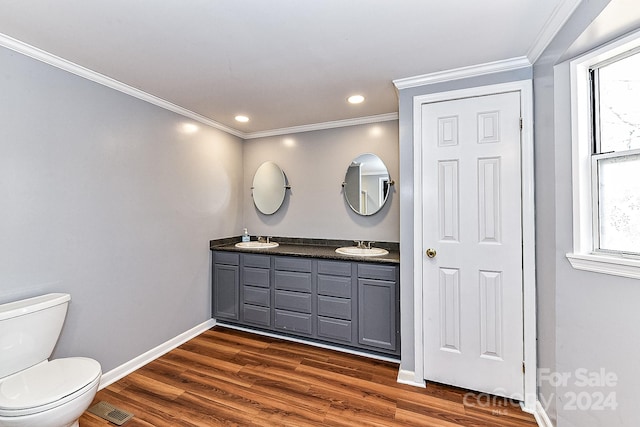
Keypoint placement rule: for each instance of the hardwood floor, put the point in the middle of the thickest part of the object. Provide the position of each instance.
(228, 377)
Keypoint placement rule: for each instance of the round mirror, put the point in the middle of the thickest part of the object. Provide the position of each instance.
(269, 186)
(366, 184)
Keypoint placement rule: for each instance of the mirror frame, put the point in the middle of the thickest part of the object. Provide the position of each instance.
(269, 188)
(348, 189)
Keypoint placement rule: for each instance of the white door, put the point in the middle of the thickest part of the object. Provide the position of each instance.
(473, 314)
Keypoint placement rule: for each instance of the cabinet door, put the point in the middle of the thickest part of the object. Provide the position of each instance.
(377, 313)
(226, 291)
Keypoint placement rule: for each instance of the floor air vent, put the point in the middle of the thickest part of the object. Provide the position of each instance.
(110, 413)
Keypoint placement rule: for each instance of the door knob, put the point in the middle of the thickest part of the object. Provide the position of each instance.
(431, 253)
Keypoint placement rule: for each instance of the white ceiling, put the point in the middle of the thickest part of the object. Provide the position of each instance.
(283, 63)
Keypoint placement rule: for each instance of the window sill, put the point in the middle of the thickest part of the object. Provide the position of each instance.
(604, 264)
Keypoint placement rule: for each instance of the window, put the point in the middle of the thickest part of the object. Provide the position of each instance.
(615, 116)
(606, 159)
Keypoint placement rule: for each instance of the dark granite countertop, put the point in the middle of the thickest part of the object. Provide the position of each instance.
(315, 248)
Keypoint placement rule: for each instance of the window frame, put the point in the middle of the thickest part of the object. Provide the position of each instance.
(595, 183)
(586, 255)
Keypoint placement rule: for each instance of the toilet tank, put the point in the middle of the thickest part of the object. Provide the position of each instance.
(29, 330)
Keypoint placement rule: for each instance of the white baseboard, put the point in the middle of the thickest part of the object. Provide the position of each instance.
(409, 378)
(130, 366)
(540, 415)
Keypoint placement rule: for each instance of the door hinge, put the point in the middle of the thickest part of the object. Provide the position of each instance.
(520, 123)
(523, 368)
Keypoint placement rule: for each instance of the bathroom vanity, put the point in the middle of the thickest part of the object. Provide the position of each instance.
(309, 291)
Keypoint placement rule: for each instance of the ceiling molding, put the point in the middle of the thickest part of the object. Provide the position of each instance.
(63, 64)
(325, 125)
(511, 64)
(71, 67)
(556, 21)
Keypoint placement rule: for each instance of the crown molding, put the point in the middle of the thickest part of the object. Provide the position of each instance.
(78, 70)
(63, 64)
(554, 24)
(325, 125)
(511, 64)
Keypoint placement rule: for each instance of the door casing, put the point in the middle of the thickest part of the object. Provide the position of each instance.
(528, 227)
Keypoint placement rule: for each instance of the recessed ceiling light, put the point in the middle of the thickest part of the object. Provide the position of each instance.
(355, 99)
(242, 119)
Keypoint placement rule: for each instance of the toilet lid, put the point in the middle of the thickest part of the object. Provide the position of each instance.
(47, 382)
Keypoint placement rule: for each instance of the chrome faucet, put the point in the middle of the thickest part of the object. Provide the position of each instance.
(361, 244)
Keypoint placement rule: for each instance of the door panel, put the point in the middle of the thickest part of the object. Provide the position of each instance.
(449, 309)
(473, 319)
(448, 196)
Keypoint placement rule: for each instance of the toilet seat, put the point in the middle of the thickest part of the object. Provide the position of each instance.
(47, 385)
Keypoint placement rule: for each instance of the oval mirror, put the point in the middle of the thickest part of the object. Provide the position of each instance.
(366, 184)
(269, 186)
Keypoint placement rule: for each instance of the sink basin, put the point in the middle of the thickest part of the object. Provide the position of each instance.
(257, 245)
(352, 250)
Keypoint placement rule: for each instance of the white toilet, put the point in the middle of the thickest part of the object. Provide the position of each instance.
(35, 391)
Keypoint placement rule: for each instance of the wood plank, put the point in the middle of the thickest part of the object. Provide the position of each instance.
(229, 377)
(158, 388)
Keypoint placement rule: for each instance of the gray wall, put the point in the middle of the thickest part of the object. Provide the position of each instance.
(586, 320)
(407, 242)
(315, 164)
(104, 198)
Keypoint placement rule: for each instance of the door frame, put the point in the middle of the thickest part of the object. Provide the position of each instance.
(524, 87)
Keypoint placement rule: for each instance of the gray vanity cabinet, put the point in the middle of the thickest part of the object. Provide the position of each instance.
(226, 286)
(293, 295)
(377, 313)
(336, 307)
(256, 290)
(345, 303)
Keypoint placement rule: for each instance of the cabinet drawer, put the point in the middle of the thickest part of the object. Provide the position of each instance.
(256, 296)
(259, 261)
(255, 277)
(380, 272)
(335, 329)
(334, 285)
(293, 322)
(256, 315)
(293, 264)
(334, 307)
(334, 268)
(294, 301)
(293, 281)
(228, 258)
